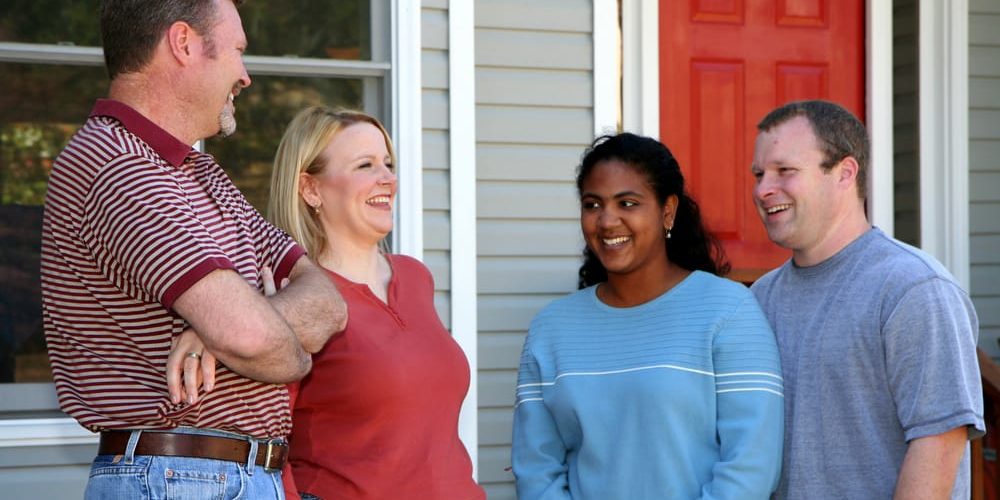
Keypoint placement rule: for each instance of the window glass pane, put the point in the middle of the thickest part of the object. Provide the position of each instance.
(50, 21)
(41, 106)
(320, 29)
(262, 112)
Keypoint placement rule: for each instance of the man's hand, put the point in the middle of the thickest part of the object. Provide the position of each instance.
(189, 364)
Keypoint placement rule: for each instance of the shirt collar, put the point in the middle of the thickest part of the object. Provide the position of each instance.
(165, 145)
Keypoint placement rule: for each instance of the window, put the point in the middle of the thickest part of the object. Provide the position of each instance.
(320, 52)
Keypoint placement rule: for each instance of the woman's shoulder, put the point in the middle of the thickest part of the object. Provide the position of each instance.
(574, 304)
(406, 267)
(707, 283)
(402, 262)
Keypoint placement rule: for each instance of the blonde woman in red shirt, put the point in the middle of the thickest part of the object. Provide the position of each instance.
(378, 415)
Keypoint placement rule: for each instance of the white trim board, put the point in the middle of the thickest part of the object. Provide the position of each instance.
(462, 211)
(641, 67)
(43, 432)
(407, 126)
(607, 68)
(944, 133)
(879, 104)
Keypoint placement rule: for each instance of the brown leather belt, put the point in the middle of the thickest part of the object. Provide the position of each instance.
(270, 454)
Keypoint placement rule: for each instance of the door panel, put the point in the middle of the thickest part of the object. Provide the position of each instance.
(723, 65)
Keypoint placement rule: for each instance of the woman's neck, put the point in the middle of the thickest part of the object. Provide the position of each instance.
(358, 263)
(632, 289)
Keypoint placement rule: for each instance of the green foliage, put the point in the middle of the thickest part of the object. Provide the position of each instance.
(320, 29)
(50, 21)
(262, 113)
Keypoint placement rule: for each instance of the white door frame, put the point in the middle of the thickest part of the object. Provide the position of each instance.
(944, 133)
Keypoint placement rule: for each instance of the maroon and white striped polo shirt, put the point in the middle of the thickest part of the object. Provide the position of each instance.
(133, 218)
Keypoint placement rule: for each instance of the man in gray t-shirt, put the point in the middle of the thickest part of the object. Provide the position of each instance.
(877, 340)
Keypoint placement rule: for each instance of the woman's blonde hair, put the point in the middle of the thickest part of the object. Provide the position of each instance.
(301, 150)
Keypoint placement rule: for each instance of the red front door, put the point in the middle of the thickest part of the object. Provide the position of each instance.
(724, 64)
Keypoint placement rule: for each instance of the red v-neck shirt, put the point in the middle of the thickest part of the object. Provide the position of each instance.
(378, 415)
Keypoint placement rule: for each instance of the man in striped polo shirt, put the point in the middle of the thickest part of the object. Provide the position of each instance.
(145, 238)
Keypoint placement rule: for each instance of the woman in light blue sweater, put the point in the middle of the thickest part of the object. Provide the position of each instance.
(658, 379)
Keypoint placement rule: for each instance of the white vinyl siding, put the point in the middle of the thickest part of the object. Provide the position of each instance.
(434, 75)
(534, 114)
(984, 168)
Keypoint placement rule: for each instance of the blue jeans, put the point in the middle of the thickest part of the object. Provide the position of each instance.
(159, 477)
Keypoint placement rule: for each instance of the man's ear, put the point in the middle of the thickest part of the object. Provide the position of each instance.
(848, 171)
(183, 41)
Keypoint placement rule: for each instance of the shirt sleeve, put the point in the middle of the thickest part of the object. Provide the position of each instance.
(275, 248)
(750, 405)
(538, 454)
(145, 233)
(930, 347)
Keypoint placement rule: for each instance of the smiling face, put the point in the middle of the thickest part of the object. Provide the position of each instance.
(623, 223)
(356, 188)
(797, 200)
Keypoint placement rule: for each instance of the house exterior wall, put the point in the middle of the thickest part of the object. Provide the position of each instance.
(534, 116)
(984, 169)
(434, 75)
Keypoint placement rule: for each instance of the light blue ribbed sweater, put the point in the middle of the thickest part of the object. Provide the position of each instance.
(677, 398)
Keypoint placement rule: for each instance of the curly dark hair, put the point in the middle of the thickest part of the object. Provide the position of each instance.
(691, 246)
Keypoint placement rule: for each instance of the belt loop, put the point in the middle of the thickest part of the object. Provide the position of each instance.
(252, 457)
(133, 441)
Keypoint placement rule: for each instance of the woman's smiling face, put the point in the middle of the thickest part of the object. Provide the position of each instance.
(357, 185)
(623, 223)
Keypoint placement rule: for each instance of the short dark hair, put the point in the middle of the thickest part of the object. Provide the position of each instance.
(840, 134)
(691, 246)
(131, 29)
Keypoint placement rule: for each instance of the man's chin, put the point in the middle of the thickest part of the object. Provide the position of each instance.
(226, 129)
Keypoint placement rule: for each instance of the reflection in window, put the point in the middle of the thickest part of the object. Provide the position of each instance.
(262, 112)
(50, 21)
(325, 30)
(40, 108)
(42, 105)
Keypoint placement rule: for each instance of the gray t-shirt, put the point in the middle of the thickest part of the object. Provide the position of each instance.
(878, 347)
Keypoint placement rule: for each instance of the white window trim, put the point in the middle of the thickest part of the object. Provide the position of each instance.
(607, 68)
(31, 432)
(944, 133)
(641, 67)
(879, 97)
(462, 208)
(407, 126)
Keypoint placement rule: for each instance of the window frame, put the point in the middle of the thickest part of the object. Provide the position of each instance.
(391, 84)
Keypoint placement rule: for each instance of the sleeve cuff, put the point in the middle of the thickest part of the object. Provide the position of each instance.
(188, 279)
(975, 424)
(286, 263)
